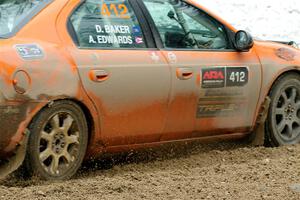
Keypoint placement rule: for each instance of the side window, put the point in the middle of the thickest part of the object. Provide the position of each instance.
(183, 26)
(107, 24)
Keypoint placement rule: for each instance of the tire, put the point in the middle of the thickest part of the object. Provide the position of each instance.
(57, 142)
(283, 123)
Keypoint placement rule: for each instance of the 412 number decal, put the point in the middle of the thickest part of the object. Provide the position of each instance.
(237, 76)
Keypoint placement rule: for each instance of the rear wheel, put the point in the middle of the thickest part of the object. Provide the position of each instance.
(57, 142)
(283, 124)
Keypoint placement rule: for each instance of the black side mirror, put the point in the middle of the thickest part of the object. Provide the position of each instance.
(243, 41)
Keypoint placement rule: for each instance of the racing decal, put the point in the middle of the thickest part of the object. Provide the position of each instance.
(213, 78)
(172, 58)
(220, 77)
(237, 76)
(285, 54)
(136, 30)
(154, 56)
(109, 10)
(139, 40)
(9, 110)
(29, 51)
(219, 110)
(106, 35)
(224, 93)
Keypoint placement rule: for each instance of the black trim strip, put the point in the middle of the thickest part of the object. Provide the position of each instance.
(143, 23)
(151, 24)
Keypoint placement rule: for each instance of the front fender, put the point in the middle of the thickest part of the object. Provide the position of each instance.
(276, 60)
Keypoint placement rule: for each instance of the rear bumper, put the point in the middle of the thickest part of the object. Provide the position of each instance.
(13, 121)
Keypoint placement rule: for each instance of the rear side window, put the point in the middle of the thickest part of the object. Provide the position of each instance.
(16, 13)
(107, 24)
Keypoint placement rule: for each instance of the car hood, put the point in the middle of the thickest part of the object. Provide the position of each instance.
(288, 52)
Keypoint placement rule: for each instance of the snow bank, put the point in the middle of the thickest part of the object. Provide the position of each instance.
(266, 19)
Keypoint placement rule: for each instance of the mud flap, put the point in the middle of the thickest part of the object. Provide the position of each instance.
(257, 138)
(13, 163)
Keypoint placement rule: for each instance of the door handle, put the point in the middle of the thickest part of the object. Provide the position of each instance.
(99, 75)
(184, 73)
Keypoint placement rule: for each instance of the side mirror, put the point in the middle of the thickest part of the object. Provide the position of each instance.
(243, 41)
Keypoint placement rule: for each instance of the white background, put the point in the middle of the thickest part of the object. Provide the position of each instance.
(266, 19)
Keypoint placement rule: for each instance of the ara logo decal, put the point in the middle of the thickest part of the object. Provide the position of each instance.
(213, 78)
(213, 75)
(220, 77)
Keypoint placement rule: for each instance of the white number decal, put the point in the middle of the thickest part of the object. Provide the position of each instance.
(242, 77)
(238, 77)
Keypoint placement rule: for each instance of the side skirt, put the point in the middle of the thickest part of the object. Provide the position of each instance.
(219, 138)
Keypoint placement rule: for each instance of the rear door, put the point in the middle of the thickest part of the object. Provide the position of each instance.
(214, 88)
(123, 73)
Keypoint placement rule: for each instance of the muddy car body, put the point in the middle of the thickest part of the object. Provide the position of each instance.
(81, 78)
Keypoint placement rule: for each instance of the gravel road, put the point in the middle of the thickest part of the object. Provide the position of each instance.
(228, 170)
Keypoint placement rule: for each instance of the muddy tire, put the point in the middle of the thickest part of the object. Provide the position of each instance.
(283, 123)
(57, 143)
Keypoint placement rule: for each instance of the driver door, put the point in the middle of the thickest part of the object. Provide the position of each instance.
(214, 88)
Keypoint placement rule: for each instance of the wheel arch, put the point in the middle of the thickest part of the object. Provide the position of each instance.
(295, 70)
(90, 120)
(269, 86)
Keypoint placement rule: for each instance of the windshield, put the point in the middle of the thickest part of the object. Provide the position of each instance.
(15, 13)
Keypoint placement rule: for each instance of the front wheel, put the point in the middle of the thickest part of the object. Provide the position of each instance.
(58, 141)
(283, 124)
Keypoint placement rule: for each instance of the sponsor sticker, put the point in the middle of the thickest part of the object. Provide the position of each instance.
(172, 57)
(154, 56)
(285, 54)
(213, 78)
(221, 93)
(220, 77)
(29, 51)
(136, 30)
(139, 40)
(218, 110)
(237, 76)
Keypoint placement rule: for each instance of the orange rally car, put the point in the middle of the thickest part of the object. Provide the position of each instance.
(81, 78)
